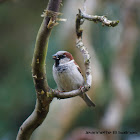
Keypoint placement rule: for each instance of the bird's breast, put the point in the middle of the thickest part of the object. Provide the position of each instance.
(61, 69)
(67, 77)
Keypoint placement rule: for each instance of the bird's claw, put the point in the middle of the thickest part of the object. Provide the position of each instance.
(82, 88)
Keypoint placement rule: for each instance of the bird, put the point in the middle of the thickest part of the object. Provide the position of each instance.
(67, 75)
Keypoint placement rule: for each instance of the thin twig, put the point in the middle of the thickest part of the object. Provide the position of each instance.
(79, 21)
(95, 18)
(73, 93)
(80, 45)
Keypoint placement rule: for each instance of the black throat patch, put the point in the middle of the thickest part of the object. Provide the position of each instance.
(57, 62)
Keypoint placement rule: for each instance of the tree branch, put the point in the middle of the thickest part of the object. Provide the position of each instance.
(79, 44)
(44, 93)
(73, 93)
(95, 18)
(39, 73)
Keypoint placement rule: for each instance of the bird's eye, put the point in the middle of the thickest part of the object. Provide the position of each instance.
(62, 56)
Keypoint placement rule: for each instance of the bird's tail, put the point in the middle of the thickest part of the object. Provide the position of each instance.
(87, 99)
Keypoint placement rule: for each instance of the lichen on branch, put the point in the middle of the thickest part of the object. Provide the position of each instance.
(95, 18)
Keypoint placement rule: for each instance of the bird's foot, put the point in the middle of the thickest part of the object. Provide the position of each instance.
(82, 88)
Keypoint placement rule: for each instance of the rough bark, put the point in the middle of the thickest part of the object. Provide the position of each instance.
(39, 75)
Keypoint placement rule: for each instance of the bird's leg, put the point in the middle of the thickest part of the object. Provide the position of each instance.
(82, 88)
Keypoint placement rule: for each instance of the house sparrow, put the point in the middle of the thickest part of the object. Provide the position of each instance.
(67, 74)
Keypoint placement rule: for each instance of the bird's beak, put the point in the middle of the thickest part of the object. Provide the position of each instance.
(55, 56)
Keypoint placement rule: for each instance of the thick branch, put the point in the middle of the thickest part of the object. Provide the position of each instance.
(67, 106)
(39, 74)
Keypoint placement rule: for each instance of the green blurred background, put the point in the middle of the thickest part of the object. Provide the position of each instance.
(19, 24)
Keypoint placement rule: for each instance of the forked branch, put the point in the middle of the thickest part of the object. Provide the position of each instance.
(44, 93)
(39, 73)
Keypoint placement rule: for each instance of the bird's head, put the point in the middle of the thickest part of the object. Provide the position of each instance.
(62, 57)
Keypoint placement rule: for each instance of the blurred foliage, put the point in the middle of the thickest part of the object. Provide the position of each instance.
(19, 24)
